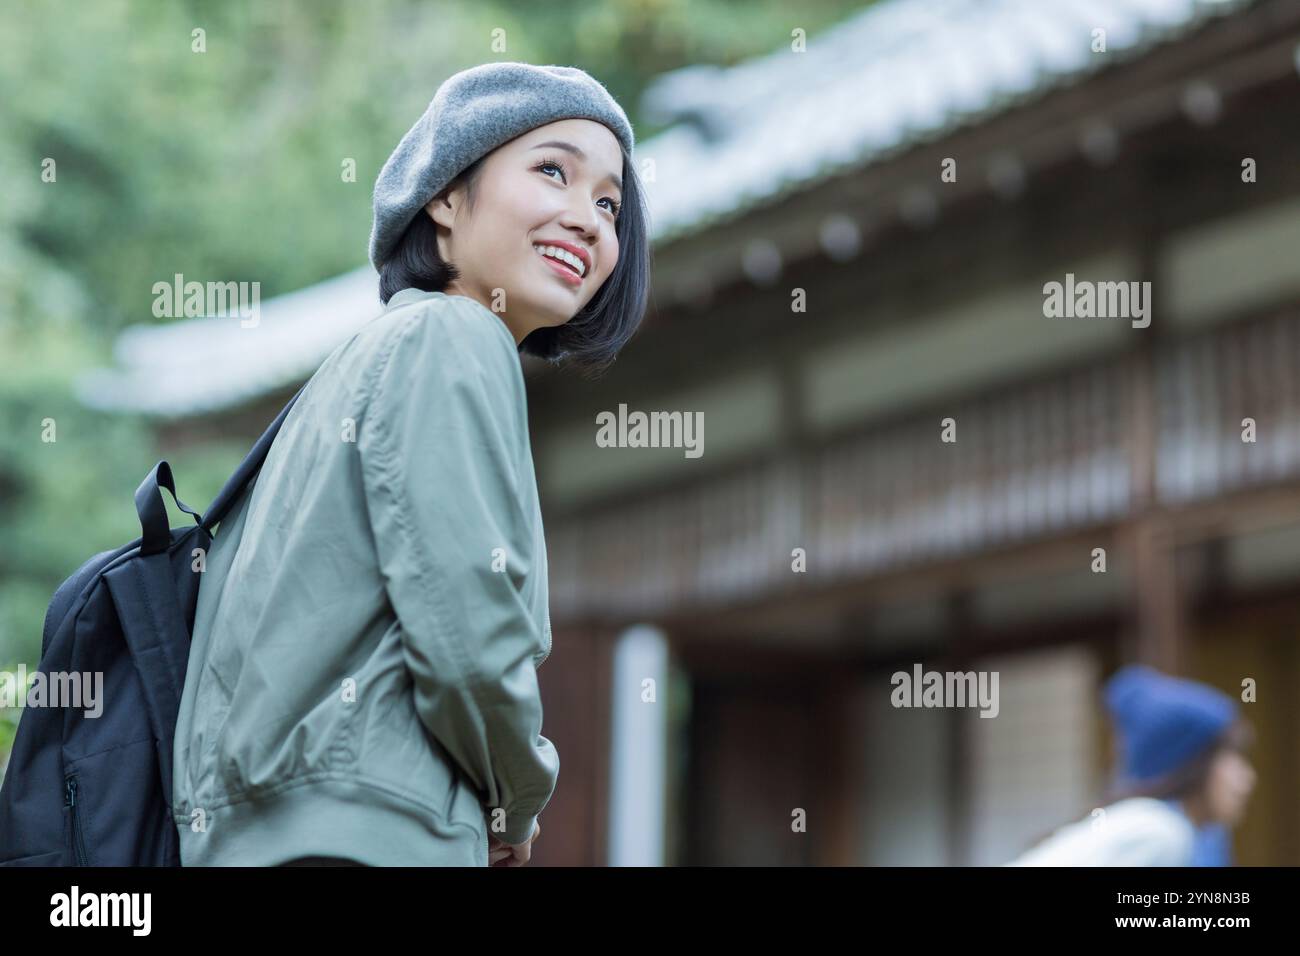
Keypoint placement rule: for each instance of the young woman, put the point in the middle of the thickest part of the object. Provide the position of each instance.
(1182, 784)
(362, 681)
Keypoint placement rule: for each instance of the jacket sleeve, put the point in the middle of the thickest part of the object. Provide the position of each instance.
(444, 426)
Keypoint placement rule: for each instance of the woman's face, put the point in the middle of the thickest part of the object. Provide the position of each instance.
(558, 183)
(1228, 786)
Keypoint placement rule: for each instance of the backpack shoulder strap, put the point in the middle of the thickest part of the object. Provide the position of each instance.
(235, 485)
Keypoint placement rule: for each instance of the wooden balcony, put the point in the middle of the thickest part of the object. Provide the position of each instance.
(1034, 461)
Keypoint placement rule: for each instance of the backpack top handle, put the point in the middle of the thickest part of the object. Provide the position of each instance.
(155, 529)
(235, 485)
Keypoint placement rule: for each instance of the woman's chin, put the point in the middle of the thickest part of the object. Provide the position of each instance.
(552, 310)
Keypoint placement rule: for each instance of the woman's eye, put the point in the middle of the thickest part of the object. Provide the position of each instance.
(614, 205)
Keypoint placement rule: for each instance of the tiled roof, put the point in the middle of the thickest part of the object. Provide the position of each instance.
(900, 72)
(200, 365)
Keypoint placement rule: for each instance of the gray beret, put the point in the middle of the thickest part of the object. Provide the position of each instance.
(472, 113)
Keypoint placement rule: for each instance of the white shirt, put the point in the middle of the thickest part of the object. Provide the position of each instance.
(1139, 831)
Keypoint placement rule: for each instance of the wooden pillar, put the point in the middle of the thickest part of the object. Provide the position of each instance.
(575, 686)
(1155, 634)
(1158, 601)
(838, 734)
(960, 764)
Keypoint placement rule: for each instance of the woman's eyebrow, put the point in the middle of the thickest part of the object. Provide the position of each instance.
(569, 147)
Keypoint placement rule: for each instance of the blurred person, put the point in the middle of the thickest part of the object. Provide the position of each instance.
(362, 683)
(1182, 782)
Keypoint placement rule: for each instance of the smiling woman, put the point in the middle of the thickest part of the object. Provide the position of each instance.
(382, 706)
(547, 228)
(528, 197)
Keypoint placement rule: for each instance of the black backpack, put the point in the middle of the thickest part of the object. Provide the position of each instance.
(96, 789)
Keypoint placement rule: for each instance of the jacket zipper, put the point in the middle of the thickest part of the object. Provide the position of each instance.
(78, 837)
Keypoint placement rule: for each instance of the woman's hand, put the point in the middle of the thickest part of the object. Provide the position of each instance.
(511, 854)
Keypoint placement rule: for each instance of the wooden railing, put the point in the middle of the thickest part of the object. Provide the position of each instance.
(1029, 461)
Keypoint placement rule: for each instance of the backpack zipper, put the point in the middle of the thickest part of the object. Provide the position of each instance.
(78, 837)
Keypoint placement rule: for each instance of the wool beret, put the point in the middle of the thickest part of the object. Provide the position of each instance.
(472, 113)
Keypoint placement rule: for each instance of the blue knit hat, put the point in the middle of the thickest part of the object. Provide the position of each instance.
(1164, 722)
(472, 113)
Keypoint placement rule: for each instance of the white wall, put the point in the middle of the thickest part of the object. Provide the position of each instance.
(904, 785)
(638, 741)
(1033, 765)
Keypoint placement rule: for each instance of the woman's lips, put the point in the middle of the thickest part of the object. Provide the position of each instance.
(563, 271)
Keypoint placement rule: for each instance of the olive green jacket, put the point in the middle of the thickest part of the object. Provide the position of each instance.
(372, 613)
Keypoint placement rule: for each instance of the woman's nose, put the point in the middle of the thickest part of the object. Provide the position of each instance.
(583, 217)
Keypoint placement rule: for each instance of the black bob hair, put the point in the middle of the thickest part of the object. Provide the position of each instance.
(590, 341)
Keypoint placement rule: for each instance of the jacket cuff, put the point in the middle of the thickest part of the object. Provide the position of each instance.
(517, 830)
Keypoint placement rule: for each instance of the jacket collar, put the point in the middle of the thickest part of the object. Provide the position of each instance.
(406, 296)
(409, 295)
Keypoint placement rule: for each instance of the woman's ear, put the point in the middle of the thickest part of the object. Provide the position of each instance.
(442, 208)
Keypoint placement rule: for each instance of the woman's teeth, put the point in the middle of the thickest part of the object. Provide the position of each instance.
(568, 258)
